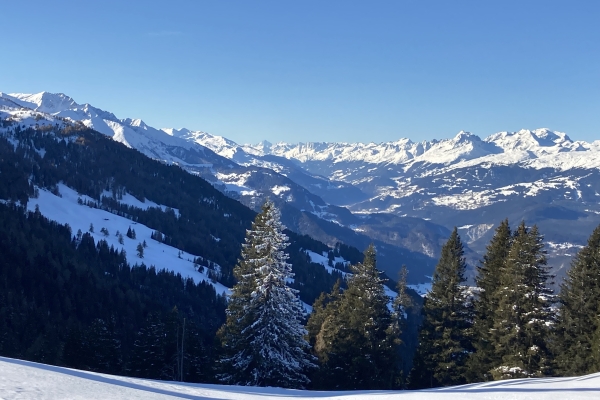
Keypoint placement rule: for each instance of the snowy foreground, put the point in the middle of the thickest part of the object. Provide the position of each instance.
(26, 380)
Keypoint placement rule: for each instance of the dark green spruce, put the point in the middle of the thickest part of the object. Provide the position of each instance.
(579, 313)
(445, 336)
(357, 340)
(484, 358)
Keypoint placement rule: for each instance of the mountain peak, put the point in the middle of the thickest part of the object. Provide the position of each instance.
(464, 136)
(135, 122)
(265, 146)
(176, 132)
(47, 102)
(531, 140)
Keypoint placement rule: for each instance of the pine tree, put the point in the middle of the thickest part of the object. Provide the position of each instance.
(358, 339)
(75, 351)
(104, 347)
(140, 250)
(579, 312)
(595, 353)
(445, 336)
(321, 308)
(402, 302)
(484, 358)
(197, 363)
(148, 353)
(523, 311)
(263, 336)
(403, 305)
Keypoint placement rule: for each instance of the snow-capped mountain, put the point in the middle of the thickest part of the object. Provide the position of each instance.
(403, 194)
(250, 181)
(538, 175)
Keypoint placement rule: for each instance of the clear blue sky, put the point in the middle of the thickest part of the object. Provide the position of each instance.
(316, 70)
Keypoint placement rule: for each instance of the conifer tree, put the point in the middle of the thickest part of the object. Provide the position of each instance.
(104, 347)
(484, 358)
(523, 311)
(140, 250)
(322, 318)
(263, 336)
(445, 336)
(595, 353)
(148, 353)
(356, 344)
(579, 312)
(403, 305)
(321, 308)
(402, 302)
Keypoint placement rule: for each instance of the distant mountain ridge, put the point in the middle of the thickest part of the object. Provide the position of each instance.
(358, 191)
(303, 211)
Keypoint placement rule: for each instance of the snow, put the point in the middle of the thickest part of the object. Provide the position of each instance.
(474, 232)
(144, 205)
(277, 190)
(26, 380)
(324, 261)
(66, 210)
(236, 182)
(471, 199)
(421, 288)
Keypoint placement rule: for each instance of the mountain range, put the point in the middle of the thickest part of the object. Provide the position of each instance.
(403, 196)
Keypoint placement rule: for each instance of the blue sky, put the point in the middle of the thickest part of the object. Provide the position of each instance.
(316, 70)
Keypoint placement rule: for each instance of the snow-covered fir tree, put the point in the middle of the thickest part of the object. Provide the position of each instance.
(263, 337)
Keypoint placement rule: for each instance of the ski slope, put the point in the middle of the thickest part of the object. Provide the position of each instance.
(27, 380)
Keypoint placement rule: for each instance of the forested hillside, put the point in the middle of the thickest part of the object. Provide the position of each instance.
(103, 170)
(69, 299)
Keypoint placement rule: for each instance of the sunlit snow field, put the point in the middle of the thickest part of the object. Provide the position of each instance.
(27, 380)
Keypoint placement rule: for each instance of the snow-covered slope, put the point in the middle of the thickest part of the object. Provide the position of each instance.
(26, 380)
(131, 132)
(66, 209)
